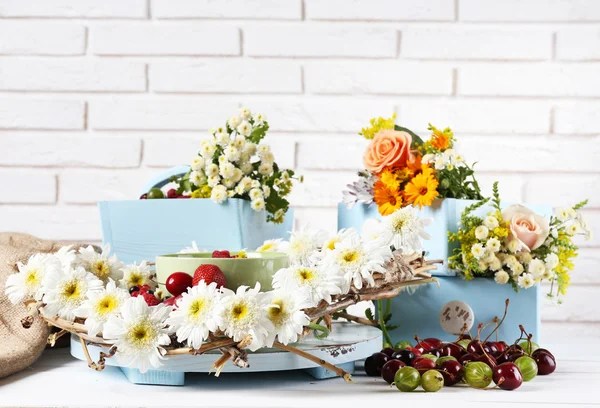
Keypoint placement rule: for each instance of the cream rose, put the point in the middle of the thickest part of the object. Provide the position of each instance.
(527, 227)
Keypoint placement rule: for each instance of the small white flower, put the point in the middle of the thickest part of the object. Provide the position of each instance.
(222, 139)
(493, 245)
(517, 268)
(231, 153)
(514, 246)
(222, 159)
(255, 194)
(27, 283)
(228, 182)
(219, 194)
(194, 317)
(137, 275)
(263, 149)
(458, 159)
(536, 268)
(428, 158)
(230, 193)
(246, 168)
(319, 281)
(245, 184)
(286, 314)
(551, 261)
(245, 113)
(198, 163)
(267, 158)
(243, 313)
(197, 178)
(239, 143)
(304, 243)
(481, 232)
(100, 306)
(525, 281)
(501, 277)
(139, 334)
(102, 265)
(193, 249)
(509, 260)
(279, 214)
(440, 163)
(548, 274)
(234, 121)
(490, 222)
(212, 170)
(237, 175)
(207, 149)
(226, 170)
(574, 228)
(213, 181)
(66, 255)
(273, 245)
(244, 128)
(478, 251)
(265, 169)
(407, 229)
(65, 289)
(565, 214)
(285, 176)
(495, 264)
(259, 118)
(524, 257)
(258, 205)
(255, 184)
(250, 149)
(266, 191)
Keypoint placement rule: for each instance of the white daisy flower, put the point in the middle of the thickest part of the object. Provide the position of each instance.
(551, 261)
(102, 265)
(266, 191)
(285, 176)
(229, 183)
(428, 158)
(493, 245)
(245, 113)
(255, 194)
(197, 178)
(330, 243)
(374, 230)
(356, 260)
(231, 153)
(574, 228)
(258, 204)
(482, 265)
(265, 169)
(207, 149)
(490, 222)
(66, 255)
(234, 121)
(255, 184)
(237, 175)
(139, 334)
(259, 119)
(279, 214)
(548, 274)
(267, 158)
(65, 289)
(245, 183)
(230, 193)
(226, 170)
(222, 159)
(250, 149)
(213, 181)
(100, 305)
(440, 163)
(495, 264)
(318, 280)
(286, 314)
(517, 268)
(263, 149)
(222, 139)
(244, 128)
(565, 214)
(526, 281)
(536, 268)
(501, 277)
(193, 249)
(514, 246)
(194, 317)
(273, 245)
(27, 283)
(212, 170)
(481, 232)
(304, 243)
(244, 313)
(478, 251)
(509, 260)
(407, 229)
(219, 194)
(246, 168)
(198, 163)
(137, 275)
(239, 143)
(458, 159)
(524, 257)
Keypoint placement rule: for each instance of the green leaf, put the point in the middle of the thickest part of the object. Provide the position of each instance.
(416, 139)
(317, 328)
(369, 315)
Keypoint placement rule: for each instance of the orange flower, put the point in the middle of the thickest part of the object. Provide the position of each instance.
(439, 140)
(387, 199)
(422, 189)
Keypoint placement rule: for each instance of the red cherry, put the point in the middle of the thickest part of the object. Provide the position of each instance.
(507, 376)
(178, 282)
(415, 351)
(501, 346)
(452, 372)
(423, 364)
(487, 359)
(388, 371)
(452, 349)
(430, 343)
(545, 362)
(172, 301)
(467, 358)
(172, 193)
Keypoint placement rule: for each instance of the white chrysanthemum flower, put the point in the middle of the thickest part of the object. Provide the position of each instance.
(250, 149)
(222, 139)
(246, 168)
(279, 214)
(66, 255)
(27, 283)
(65, 289)
(517, 268)
(267, 158)
(494, 264)
(524, 257)
(259, 118)
(536, 268)
(258, 205)
(565, 214)
(139, 334)
(273, 245)
(226, 170)
(245, 183)
(265, 169)
(100, 306)
(574, 228)
(198, 163)
(230, 193)
(245, 113)
(458, 159)
(102, 265)
(244, 313)
(263, 149)
(285, 176)
(237, 175)
(481, 232)
(207, 149)
(286, 314)
(428, 158)
(551, 261)
(407, 229)
(509, 260)
(234, 121)
(266, 191)
(357, 261)
(440, 163)
(304, 243)
(490, 222)
(212, 170)
(244, 128)
(318, 280)
(478, 251)
(194, 317)
(255, 194)
(222, 159)
(193, 249)
(239, 143)
(229, 183)
(548, 275)
(219, 194)
(493, 245)
(482, 265)
(526, 281)
(374, 230)
(197, 178)
(501, 277)
(213, 181)
(330, 243)
(137, 275)
(514, 246)
(255, 184)
(231, 153)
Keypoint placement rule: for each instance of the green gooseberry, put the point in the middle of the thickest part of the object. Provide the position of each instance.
(407, 379)
(528, 367)
(478, 374)
(464, 343)
(529, 350)
(432, 381)
(401, 345)
(429, 356)
(440, 360)
(155, 193)
(386, 345)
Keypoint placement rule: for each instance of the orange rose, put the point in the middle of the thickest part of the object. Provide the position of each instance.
(389, 148)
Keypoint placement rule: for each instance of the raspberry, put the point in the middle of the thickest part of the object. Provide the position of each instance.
(151, 300)
(209, 273)
(221, 254)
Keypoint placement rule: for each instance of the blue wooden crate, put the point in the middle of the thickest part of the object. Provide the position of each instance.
(419, 313)
(142, 229)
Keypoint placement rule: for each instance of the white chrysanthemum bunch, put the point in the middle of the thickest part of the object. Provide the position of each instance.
(448, 159)
(235, 163)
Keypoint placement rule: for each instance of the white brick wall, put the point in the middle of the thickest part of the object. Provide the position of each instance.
(98, 95)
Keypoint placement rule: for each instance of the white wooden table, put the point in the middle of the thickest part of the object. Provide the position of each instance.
(58, 379)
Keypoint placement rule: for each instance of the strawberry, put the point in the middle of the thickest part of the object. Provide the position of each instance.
(150, 299)
(221, 254)
(209, 273)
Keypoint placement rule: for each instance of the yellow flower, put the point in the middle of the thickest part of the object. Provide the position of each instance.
(378, 124)
(388, 200)
(440, 139)
(203, 192)
(390, 179)
(421, 190)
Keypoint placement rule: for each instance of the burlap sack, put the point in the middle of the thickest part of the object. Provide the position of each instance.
(19, 347)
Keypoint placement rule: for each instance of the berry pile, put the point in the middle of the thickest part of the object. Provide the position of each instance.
(433, 364)
(156, 193)
(145, 292)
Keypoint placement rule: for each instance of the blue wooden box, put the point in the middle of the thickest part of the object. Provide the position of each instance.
(142, 229)
(418, 313)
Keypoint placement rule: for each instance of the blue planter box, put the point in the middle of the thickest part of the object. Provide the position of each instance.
(419, 313)
(142, 229)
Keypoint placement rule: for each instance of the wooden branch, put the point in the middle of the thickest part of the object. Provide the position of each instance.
(356, 319)
(342, 373)
(75, 328)
(213, 345)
